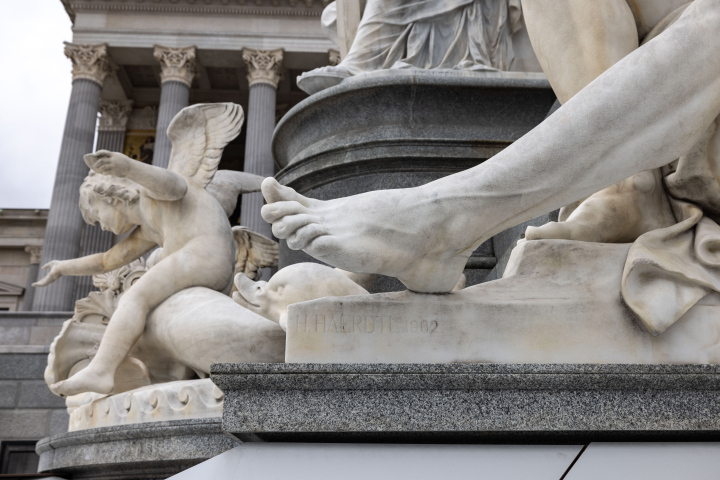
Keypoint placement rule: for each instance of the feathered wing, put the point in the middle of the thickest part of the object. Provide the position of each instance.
(254, 251)
(198, 135)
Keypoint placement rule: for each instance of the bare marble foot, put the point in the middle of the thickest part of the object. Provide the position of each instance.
(404, 233)
(321, 78)
(617, 214)
(88, 379)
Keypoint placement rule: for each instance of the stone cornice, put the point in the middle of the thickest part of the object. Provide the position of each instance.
(263, 65)
(304, 8)
(177, 64)
(114, 115)
(89, 62)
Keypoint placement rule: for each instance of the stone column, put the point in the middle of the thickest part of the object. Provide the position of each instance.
(91, 65)
(35, 255)
(179, 67)
(263, 76)
(114, 116)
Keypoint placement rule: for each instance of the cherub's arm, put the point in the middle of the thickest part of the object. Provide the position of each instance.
(129, 249)
(161, 184)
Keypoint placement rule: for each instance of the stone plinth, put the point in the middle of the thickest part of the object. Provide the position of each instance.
(559, 302)
(418, 403)
(147, 451)
(402, 128)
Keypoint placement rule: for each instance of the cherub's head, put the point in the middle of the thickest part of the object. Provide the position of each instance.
(107, 200)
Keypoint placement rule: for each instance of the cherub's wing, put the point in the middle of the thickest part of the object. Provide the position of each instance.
(198, 135)
(227, 185)
(254, 251)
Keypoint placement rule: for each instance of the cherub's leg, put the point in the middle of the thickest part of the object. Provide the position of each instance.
(644, 112)
(176, 272)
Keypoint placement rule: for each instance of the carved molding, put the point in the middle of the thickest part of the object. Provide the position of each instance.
(143, 118)
(35, 252)
(179, 400)
(333, 57)
(293, 8)
(263, 65)
(177, 64)
(90, 62)
(114, 115)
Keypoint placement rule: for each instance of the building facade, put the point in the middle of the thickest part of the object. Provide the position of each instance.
(133, 65)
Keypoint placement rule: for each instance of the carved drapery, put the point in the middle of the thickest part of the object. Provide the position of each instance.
(177, 64)
(263, 66)
(89, 62)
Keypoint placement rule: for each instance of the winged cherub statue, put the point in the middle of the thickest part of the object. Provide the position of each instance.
(169, 208)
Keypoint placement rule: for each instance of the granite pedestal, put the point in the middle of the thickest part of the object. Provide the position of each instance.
(469, 403)
(139, 451)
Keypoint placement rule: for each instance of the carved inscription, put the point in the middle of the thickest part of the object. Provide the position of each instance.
(370, 324)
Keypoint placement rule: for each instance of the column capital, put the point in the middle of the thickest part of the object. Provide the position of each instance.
(263, 65)
(177, 64)
(114, 115)
(90, 62)
(35, 252)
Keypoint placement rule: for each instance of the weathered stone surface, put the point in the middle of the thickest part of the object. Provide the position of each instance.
(8, 393)
(469, 402)
(20, 365)
(23, 423)
(156, 450)
(36, 394)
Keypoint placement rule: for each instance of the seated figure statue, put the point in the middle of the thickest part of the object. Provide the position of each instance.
(627, 110)
(168, 208)
(425, 34)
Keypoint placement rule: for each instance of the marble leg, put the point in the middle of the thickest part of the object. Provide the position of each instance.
(645, 111)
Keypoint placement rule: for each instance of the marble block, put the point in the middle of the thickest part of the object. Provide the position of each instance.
(559, 302)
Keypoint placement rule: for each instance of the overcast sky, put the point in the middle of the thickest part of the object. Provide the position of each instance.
(35, 89)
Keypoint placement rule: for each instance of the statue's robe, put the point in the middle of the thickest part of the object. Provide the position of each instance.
(435, 34)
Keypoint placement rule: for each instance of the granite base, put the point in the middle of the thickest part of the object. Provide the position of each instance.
(469, 403)
(140, 451)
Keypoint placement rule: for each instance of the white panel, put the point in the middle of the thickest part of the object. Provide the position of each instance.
(316, 461)
(656, 461)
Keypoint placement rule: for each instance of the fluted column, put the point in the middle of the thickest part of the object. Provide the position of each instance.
(114, 116)
(263, 75)
(35, 252)
(91, 65)
(178, 68)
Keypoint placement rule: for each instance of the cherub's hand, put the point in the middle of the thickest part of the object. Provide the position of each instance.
(108, 163)
(55, 272)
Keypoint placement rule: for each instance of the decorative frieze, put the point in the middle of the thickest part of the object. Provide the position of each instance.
(90, 62)
(114, 115)
(35, 252)
(263, 65)
(143, 118)
(177, 64)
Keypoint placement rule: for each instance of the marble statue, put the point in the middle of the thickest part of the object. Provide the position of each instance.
(172, 209)
(626, 112)
(425, 34)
